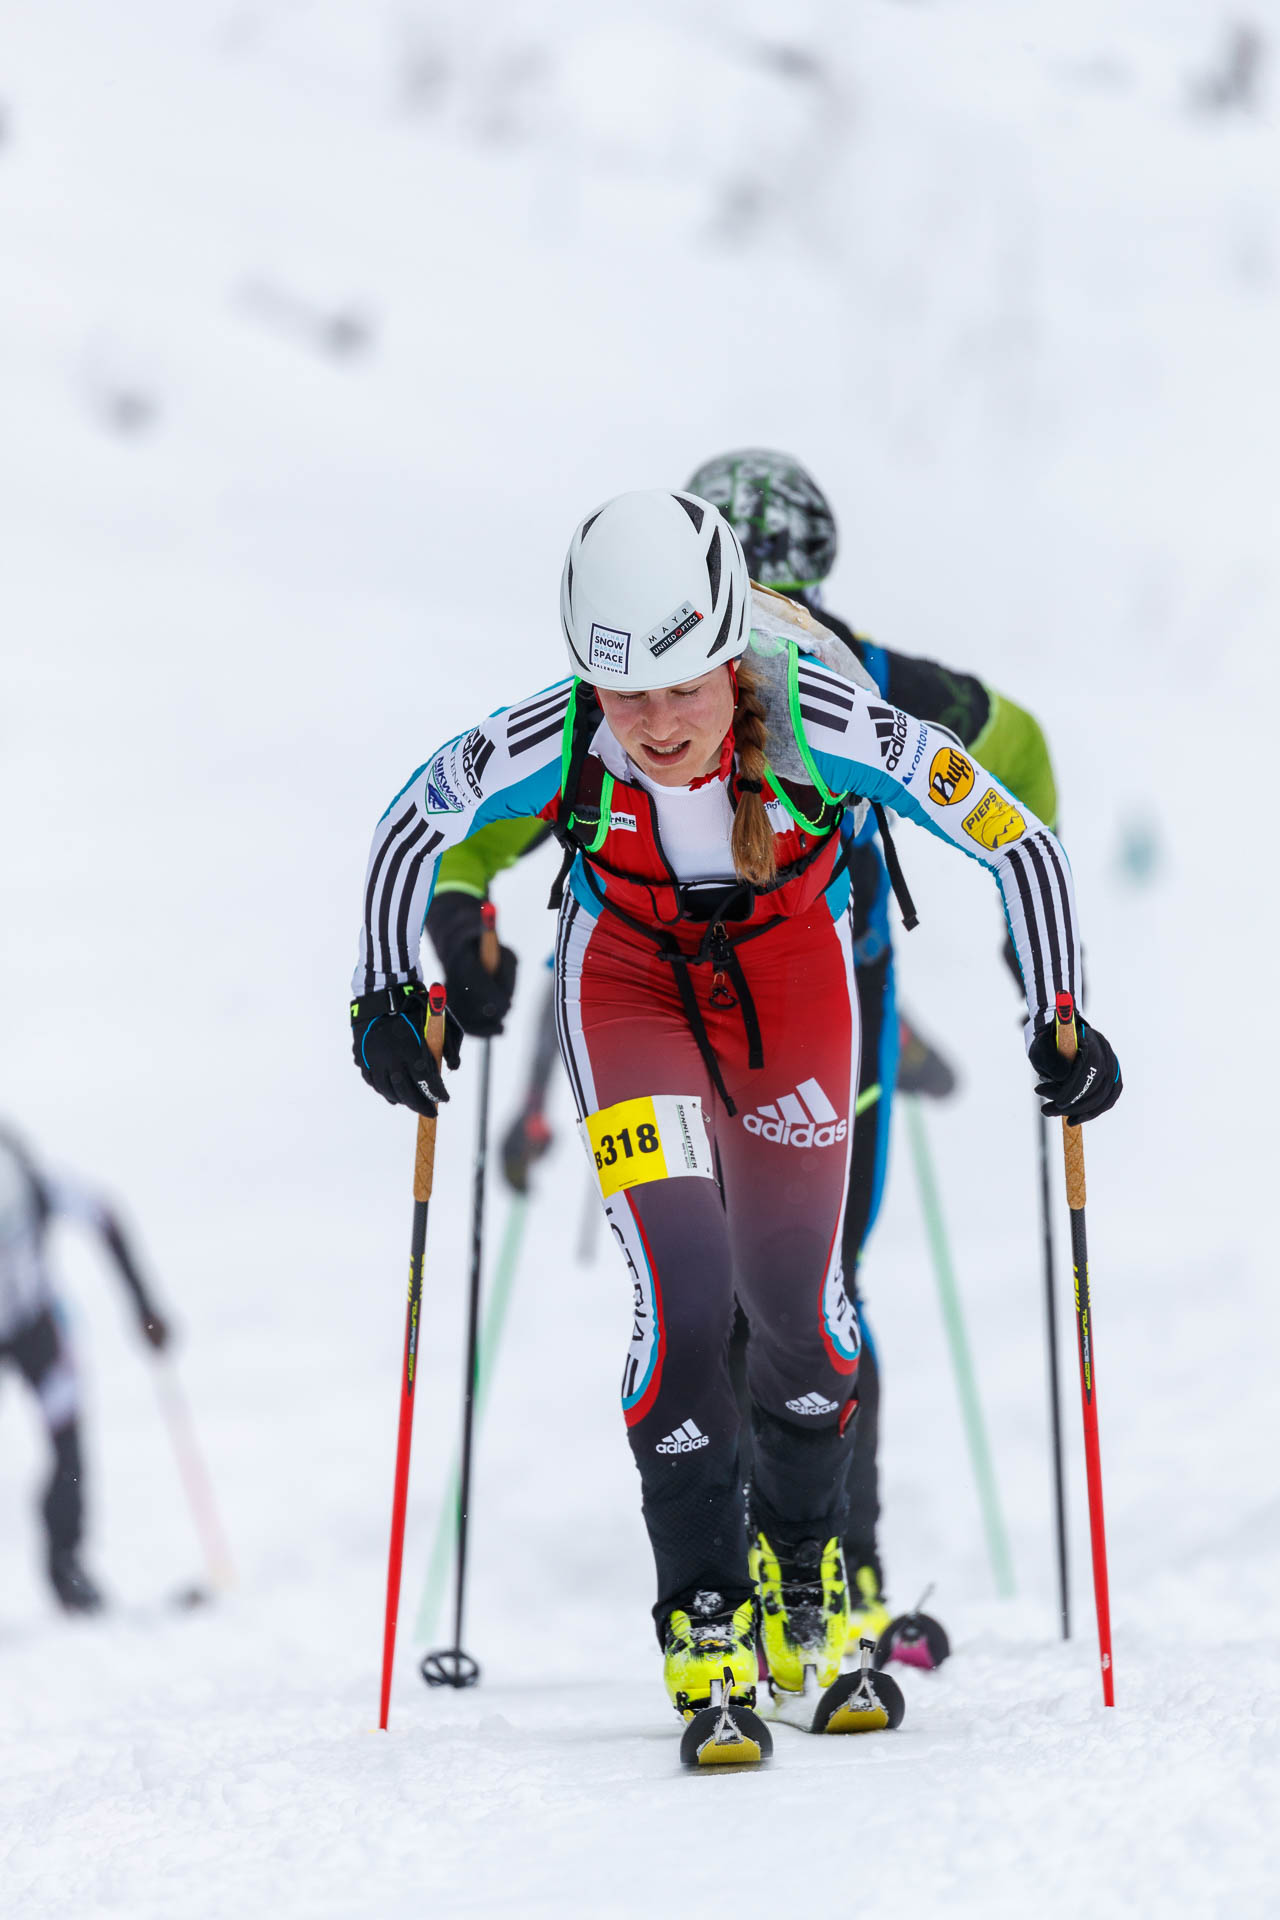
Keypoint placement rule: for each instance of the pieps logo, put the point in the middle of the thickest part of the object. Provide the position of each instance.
(805, 1118)
(686, 1439)
(950, 777)
(994, 822)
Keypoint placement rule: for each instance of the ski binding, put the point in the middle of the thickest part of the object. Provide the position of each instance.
(725, 1733)
(864, 1701)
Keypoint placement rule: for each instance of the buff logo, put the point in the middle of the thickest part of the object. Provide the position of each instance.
(950, 777)
(805, 1118)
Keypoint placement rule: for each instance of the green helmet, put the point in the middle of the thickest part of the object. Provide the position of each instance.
(787, 528)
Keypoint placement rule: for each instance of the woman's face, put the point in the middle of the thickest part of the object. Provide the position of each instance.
(673, 734)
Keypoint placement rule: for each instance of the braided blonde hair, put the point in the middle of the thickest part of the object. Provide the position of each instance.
(754, 854)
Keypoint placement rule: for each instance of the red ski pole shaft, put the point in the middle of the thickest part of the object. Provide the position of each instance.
(423, 1174)
(1073, 1158)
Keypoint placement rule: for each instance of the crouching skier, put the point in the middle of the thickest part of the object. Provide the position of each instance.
(33, 1337)
(696, 767)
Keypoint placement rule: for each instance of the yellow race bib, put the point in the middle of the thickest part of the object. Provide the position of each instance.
(658, 1136)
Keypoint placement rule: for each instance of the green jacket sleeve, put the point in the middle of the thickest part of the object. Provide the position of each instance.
(471, 866)
(1012, 746)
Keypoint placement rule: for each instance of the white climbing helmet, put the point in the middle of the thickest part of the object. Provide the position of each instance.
(655, 590)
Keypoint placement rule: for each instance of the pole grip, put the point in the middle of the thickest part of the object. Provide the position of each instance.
(490, 952)
(1072, 1137)
(425, 1160)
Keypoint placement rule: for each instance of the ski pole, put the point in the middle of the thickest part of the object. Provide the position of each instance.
(451, 1666)
(1073, 1161)
(423, 1172)
(176, 1412)
(1051, 1368)
(961, 1359)
(490, 1340)
(527, 1140)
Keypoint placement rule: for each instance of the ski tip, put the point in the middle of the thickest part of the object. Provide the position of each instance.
(862, 1702)
(913, 1640)
(725, 1737)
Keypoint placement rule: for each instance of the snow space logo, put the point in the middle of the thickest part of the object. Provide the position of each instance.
(610, 649)
(805, 1118)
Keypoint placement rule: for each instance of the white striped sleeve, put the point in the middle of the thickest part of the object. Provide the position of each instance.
(506, 768)
(861, 744)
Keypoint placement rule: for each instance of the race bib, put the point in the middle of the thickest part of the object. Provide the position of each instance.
(659, 1136)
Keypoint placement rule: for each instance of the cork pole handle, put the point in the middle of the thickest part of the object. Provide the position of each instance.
(425, 1162)
(490, 951)
(1072, 1137)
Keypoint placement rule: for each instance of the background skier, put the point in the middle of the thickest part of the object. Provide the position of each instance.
(33, 1338)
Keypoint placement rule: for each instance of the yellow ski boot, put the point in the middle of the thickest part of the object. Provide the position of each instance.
(698, 1647)
(804, 1610)
(868, 1615)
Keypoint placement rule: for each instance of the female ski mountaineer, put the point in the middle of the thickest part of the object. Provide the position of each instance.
(696, 765)
(789, 537)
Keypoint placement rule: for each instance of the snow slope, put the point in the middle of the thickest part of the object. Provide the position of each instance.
(995, 274)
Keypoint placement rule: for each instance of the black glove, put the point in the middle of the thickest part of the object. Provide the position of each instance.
(479, 1000)
(388, 1045)
(1078, 1089)
(154, 1327)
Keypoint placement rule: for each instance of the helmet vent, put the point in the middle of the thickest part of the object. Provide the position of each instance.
(693, 510)
(588, 524)
(713, 565)
(726, 626)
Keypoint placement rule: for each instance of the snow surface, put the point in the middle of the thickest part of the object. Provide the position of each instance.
(993, 270)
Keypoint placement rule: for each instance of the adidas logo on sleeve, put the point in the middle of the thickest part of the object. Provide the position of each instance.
(812, 1403)
(805, 1118)
(686, 1439)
